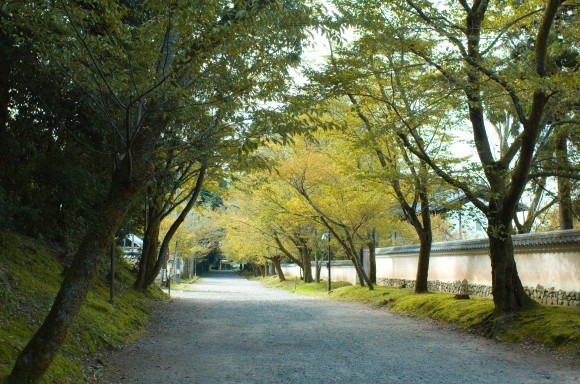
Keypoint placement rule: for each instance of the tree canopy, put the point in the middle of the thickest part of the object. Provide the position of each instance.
(123, 116)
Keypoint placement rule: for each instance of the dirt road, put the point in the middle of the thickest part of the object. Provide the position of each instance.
(230, 330)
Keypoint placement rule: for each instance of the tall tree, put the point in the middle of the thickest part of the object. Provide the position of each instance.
(141, 64)
(256, 207)
(374, 74)
(324, 173)
(473, 59)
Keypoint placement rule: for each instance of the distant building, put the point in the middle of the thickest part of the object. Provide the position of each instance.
(132, 246)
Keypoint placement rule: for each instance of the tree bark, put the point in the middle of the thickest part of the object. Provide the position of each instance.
(305, 255)
(353, 256)
(276, 260)
(38, 354)
(5, 71)
(150, 249)
(507, 289)
(362, 276)
(318, 267)
(372, 257)
(422, 226)
(307, 264)
(421, 282)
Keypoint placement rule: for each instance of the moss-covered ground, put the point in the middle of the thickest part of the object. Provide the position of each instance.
(30, 276)
(557, 328)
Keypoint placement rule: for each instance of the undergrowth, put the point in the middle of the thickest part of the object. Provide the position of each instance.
(557, 328)
(32, 273)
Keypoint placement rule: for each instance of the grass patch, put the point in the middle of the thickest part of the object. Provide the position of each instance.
(557, 328)
(298, 286)
(33, 276)
(472, 314)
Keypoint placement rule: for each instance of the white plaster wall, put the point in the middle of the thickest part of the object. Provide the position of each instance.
(291, 270)
(556, 266)
(342, 272)
(548, 268)
(476, 268)
(560, 270)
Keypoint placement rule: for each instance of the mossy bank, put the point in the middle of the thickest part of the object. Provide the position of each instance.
(557, 328)
(30, 276)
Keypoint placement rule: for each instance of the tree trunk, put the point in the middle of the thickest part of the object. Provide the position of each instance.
(278, 267)
(421, 283)
(564, 196)
(307, 265)
(5, 70)
(317, 267)
(507, 289)
(185, 270)
(174, 227)
(372, 258)
(286, 252)
(350, 250)
(38, 354)
(150, 251)
(362, 276)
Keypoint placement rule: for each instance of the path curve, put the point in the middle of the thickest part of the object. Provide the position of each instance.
(231, 330)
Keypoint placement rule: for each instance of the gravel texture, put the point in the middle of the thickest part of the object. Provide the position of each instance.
(231, 330)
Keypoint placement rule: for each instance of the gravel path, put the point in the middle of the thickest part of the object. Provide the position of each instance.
(230, 330)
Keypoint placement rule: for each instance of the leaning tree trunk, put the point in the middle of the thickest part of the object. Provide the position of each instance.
(425, 241)
(38, 354)
(152, 274)
(362, 276)
(149, 252)
(278, 266)
(350, 250)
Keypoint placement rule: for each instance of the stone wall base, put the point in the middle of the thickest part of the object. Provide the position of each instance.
(539, 294)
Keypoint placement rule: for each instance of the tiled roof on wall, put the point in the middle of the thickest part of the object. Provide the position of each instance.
(526, 240)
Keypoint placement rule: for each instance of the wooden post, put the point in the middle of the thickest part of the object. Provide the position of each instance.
(112, 271)
(329, 288)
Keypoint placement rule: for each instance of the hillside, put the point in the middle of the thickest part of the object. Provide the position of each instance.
(30, 276)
